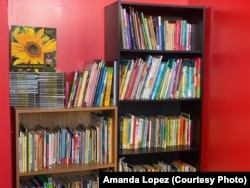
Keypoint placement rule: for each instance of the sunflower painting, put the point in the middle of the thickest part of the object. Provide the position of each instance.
(33, 49)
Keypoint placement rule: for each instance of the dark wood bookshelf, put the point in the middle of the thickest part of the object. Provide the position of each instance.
(169, 107)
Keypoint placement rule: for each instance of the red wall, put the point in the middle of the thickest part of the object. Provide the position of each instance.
(5, 133)
(225, 139)
(80, 26)
(80, 29)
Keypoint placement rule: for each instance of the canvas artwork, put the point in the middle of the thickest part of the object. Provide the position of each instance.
(33, 49)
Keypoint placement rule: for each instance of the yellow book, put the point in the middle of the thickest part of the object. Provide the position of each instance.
(123, 72)
(164, 82)
(29, 153)
(127, 78)
(24, 154)
(124, 132)
(83, 87)
(110, 139)
(152, 32)
(107, 94)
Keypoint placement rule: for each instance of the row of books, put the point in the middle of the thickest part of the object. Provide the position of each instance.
(155, 131)
(92, 86)
(152, 32)
(159, 166)
(155, 78)
(43, 146)
(42, 89)
(71, 181)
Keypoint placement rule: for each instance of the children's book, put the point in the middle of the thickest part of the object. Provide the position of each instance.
(33, 49)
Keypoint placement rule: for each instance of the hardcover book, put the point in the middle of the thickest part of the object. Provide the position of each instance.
(33, 49)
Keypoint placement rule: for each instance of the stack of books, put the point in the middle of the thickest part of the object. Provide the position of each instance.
(23, 88)
(51, 89)
(43, 89)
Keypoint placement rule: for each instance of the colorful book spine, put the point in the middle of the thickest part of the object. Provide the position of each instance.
(99, 86)
(108, 89)
(103, 87)
(130, 68)
(83, 87)
(115, 84)
(158, 79)
(73, 89)
(133, 77)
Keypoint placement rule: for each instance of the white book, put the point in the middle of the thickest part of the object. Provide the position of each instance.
(155, 63)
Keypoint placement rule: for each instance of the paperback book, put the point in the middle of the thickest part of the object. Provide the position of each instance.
(33, 49)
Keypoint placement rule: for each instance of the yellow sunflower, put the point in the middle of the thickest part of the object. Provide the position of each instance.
(29, 46)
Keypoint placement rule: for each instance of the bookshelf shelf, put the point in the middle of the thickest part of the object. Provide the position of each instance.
(126, 40)
(69, 168)
(124, 51)
(53, 117)
(152, 151)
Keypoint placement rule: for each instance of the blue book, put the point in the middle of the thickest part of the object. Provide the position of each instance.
(190, 90)
(100, 80)
(158, 80)
(158, 31)
(102, 88)
(82, 128)
(132, 31)
(63, 144)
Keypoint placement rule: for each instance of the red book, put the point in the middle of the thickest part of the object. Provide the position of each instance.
(132, 79)
(177, 35)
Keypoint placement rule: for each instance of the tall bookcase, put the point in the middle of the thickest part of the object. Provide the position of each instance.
(52, 117)
(120, 47)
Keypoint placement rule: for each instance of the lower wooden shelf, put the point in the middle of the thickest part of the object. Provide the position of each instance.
(54, 119)
(68, 168)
